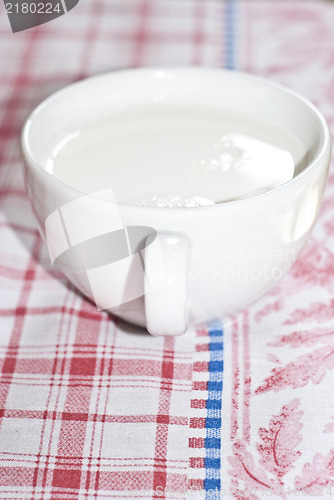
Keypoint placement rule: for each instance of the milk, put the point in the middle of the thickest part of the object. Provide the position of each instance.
(176, 156)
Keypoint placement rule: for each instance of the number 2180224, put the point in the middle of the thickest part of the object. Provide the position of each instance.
(32, 8)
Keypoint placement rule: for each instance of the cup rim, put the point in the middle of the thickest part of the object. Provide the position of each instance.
(323, 150)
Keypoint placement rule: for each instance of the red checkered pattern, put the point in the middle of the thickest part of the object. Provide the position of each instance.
(199, 396)
(89, 408)
(94, 409)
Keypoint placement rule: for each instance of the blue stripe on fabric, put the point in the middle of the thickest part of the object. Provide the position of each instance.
(230, 13)
(215, 377)
(213, 453)
(216, 355)
(213, 404)
(212, 443)
(216, 366)
(212, 461)
(216, 346)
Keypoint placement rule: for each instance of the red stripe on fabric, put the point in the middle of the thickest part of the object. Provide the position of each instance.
(198, 35)
(200, 385)
(141, 36)
(161, 437)
(148, 368)
(197, 462)
(202, 332)
(23, 311)
(196, 442)
(73, 433)
(197, 423)
(196, 484)
(201, 366)
(141, 367)
(18, 228)
(105, 368)
(182, 371)
(65, 461)
(247, 380)
(87, 383)
(20, 81)
(42, 475)
(9, 362)
(151, 368)
(235, 381)
(31, 366)
(88, 345)
(19, 193)
(198, 403)
(91, 35)
(112, 35)
(155, 37)
(177, 486)
(66, 478)
(18, 274)
(83, 366)
(202, 347)
(132, 481)
(18, 476)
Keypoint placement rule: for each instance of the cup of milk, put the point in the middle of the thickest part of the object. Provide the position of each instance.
(172, 196)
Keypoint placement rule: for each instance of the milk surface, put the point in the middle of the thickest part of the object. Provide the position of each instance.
(174, 156)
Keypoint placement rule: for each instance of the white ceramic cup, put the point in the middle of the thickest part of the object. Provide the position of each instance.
(165, 268)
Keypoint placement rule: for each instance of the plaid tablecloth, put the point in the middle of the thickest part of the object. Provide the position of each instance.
(91, 409)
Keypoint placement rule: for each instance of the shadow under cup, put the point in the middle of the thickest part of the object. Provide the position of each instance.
(165, 268)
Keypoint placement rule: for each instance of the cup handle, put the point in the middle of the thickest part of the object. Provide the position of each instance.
(166, 262)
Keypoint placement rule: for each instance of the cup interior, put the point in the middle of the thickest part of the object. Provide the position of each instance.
(99, 96)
